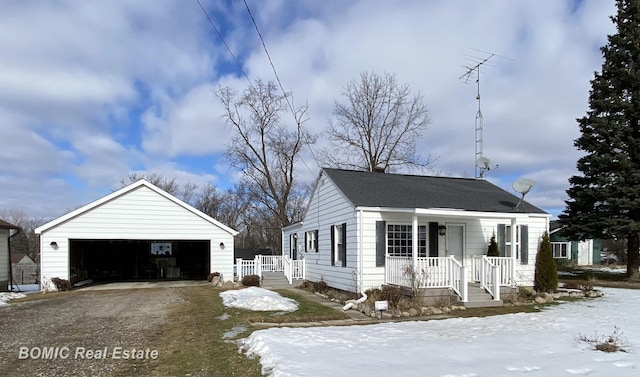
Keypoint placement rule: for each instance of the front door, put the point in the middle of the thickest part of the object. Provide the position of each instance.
(455, 241)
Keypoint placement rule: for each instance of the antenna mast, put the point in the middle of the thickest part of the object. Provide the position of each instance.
(479, 120)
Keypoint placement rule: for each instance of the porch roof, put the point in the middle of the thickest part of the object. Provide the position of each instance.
(426, 193)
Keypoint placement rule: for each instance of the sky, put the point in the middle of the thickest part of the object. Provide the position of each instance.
(91, 92)
(547, 343)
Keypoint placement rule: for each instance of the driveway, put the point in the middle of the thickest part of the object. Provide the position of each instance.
(88, 332)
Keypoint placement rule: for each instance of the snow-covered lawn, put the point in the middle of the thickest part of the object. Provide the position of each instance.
(524, 344)
(254, 298)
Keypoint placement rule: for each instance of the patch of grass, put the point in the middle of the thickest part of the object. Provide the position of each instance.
(497, 310)
(308, 311)
(192, 343)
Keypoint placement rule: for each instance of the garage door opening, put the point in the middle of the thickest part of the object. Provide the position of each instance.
(117, 260)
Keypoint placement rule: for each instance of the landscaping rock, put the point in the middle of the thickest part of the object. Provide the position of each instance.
(435, 310)
(413, 312)
(540, 300)
(229, 284)
(446, 309)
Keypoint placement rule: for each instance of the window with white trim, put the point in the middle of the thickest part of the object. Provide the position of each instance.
(400, 240)
(508, 244)
(311, 240)
(339, 244)
(560, 249)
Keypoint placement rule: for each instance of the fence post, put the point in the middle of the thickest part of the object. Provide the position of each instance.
(496, 285)
(463, 284)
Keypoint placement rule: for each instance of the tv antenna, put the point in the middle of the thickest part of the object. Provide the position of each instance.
(483, 165)
(523, 186)
(474, 71)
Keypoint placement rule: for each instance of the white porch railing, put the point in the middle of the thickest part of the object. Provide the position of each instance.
(505, 265)
(292, 268)
(429, 272)
(489, 275)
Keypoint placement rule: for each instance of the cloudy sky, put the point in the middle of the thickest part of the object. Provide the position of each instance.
(93, 91)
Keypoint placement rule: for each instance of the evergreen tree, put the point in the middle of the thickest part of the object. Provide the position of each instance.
(546, 275)
(604, 200)
(493, 250)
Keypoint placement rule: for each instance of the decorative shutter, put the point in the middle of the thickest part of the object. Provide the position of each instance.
(305, 242)
(333, 245)
(502, 240)
(343, 250)
(524, 244)
(381, 243)
(433, 239)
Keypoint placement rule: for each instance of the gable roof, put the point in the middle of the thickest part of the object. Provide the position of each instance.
(372, 189)
(6, 225)
(123, 191)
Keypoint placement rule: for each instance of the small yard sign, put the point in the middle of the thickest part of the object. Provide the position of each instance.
(381, 306)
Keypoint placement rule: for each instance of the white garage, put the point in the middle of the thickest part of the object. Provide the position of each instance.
(139, 232)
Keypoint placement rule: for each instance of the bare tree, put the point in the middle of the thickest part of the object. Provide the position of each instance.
(185, 192)
(26, 241)
(377, 126)
(264, 149)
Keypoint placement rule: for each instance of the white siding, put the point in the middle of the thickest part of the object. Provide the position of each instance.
(4, 259)
(328, 207)
(141, 214)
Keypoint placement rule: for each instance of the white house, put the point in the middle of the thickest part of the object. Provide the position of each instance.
(5, 251)
(136, 232)
(364, 229)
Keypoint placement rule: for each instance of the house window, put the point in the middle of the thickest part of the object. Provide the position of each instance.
(510, 246)
(311, 240)
(400, 240)
(560, 249)
(338, 245)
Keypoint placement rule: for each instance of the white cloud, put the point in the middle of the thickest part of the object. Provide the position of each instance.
(96, 90)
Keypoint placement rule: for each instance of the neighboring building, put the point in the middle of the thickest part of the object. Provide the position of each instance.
(361, 230)
(583, 253)
(136, 232)
(5, 252)
(23, 269)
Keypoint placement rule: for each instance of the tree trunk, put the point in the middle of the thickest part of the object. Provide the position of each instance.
(633, 257)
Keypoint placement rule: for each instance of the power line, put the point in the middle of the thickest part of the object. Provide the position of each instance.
(225, 43)
(275, 72)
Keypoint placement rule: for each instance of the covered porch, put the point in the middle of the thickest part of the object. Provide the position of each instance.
(459, 261)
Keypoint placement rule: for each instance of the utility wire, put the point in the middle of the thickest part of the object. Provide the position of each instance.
(225, 43)
(275, 72)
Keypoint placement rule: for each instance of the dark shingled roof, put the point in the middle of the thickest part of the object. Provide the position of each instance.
(372, 189)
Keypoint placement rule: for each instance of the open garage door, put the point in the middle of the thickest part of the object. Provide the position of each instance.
(114, 260)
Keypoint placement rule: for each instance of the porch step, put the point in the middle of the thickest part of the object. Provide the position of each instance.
(274, 280)
(479, 298)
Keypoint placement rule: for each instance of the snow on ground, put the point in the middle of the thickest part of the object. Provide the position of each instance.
(522, 344)
(254, 298)
(6, 296)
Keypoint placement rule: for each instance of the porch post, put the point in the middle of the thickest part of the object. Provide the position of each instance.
(414, 241)
(514, 235)
(464, 284)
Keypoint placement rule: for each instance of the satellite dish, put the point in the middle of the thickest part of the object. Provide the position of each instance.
(523, 186)
(484, 164)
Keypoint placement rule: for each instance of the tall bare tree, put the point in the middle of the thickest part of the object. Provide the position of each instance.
(377, 125)
(265, 149)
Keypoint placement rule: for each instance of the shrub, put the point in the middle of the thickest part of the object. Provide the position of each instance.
(251, 281)
(320, 286)
(62, 284)
(493, 250)
(546, 275)
(611, 343)
(391, 293)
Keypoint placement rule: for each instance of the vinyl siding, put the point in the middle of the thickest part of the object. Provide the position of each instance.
(328, 206)
(141, 214)
(4, 259)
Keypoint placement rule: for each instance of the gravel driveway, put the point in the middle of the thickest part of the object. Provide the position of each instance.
(84, 333)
